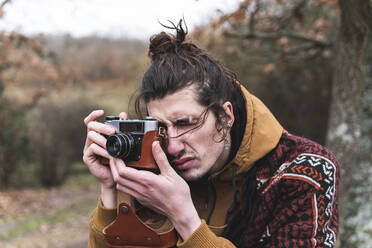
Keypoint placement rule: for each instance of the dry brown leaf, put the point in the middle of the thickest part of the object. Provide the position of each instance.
(321, 24)
(269, 68)
(283, 41)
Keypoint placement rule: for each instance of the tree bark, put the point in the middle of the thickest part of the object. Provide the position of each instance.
(347, 100)
(359, 211)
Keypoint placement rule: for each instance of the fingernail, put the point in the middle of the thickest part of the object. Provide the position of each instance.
(110, 129)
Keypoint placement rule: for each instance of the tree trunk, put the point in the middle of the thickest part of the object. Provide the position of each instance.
(359, 212)
(357, 224)
(347, 101)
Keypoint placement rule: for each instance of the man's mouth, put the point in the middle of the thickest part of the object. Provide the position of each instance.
(183, 163)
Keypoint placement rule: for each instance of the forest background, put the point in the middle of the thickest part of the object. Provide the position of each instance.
(309, 61)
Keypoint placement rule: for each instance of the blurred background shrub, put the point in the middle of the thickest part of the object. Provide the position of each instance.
(14, 143)
(48, 85)
(57, 137)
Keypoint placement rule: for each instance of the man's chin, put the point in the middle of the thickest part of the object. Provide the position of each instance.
(190, 175)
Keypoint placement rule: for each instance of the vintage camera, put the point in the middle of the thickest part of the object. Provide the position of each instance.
(133, 140)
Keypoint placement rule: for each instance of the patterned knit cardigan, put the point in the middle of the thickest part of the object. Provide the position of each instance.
(299, 202)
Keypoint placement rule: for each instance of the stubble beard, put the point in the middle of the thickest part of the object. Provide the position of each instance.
(190, 174)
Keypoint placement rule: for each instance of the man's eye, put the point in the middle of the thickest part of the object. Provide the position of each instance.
(182, 123)
(185, 122)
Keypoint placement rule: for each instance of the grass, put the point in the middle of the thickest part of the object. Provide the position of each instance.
(19, 225)
(111, 95)
(33, 222)
(80, 177)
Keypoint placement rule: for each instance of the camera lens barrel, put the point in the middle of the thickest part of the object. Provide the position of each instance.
(120, 145)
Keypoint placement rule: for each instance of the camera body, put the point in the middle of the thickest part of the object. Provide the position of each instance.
(133, 140)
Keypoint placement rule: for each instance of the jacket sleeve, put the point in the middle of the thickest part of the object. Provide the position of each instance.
(204, 237)
(100, 218)
(306, 211)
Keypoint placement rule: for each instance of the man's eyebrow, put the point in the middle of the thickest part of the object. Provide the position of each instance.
(186, 119)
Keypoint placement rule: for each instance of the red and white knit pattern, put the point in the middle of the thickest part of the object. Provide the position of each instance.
(299, 197)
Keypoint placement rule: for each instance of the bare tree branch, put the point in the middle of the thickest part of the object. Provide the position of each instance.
(298, 49)
(3, 4)
(278, 35)
(295, 12)
(252, 18)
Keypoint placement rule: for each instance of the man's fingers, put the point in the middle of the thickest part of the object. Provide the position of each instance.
(97, 138)
(94, 116)
(128, 175)
(123, 115)
(100, 128)
(95, 129)
(161, 158)
(94, 150)
(119, 172)
(128, 191)
(114, 170)
(125, 172)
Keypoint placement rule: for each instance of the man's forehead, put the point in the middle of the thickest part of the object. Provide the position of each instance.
(180, 103)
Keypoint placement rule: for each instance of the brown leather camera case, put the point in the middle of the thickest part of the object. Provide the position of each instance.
(129, 230)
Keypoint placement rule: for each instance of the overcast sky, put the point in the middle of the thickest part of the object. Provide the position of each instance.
(116, 18)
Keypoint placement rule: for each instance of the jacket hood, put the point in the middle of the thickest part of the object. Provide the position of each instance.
(262, 134)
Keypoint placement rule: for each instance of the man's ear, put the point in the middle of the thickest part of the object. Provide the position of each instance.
(227, 106)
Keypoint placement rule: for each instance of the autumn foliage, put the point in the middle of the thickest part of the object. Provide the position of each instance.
(283, 52)
(48, 84)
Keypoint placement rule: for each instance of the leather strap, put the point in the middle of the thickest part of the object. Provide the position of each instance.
(129, 230)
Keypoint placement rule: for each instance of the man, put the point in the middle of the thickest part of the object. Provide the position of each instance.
(230, 174)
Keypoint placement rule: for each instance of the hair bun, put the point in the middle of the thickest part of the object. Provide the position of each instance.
(163, 43)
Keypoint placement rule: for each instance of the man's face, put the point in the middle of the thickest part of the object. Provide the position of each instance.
(198, 151)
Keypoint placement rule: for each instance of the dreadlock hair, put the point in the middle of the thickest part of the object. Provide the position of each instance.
(177, 64)
(248, 209)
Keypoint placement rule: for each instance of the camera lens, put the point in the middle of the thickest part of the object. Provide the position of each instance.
(120, 145)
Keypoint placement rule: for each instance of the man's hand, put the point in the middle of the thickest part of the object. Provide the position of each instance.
(167, 193)
(95, 150)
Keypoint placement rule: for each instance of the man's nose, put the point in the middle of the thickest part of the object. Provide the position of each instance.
(175, 144)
